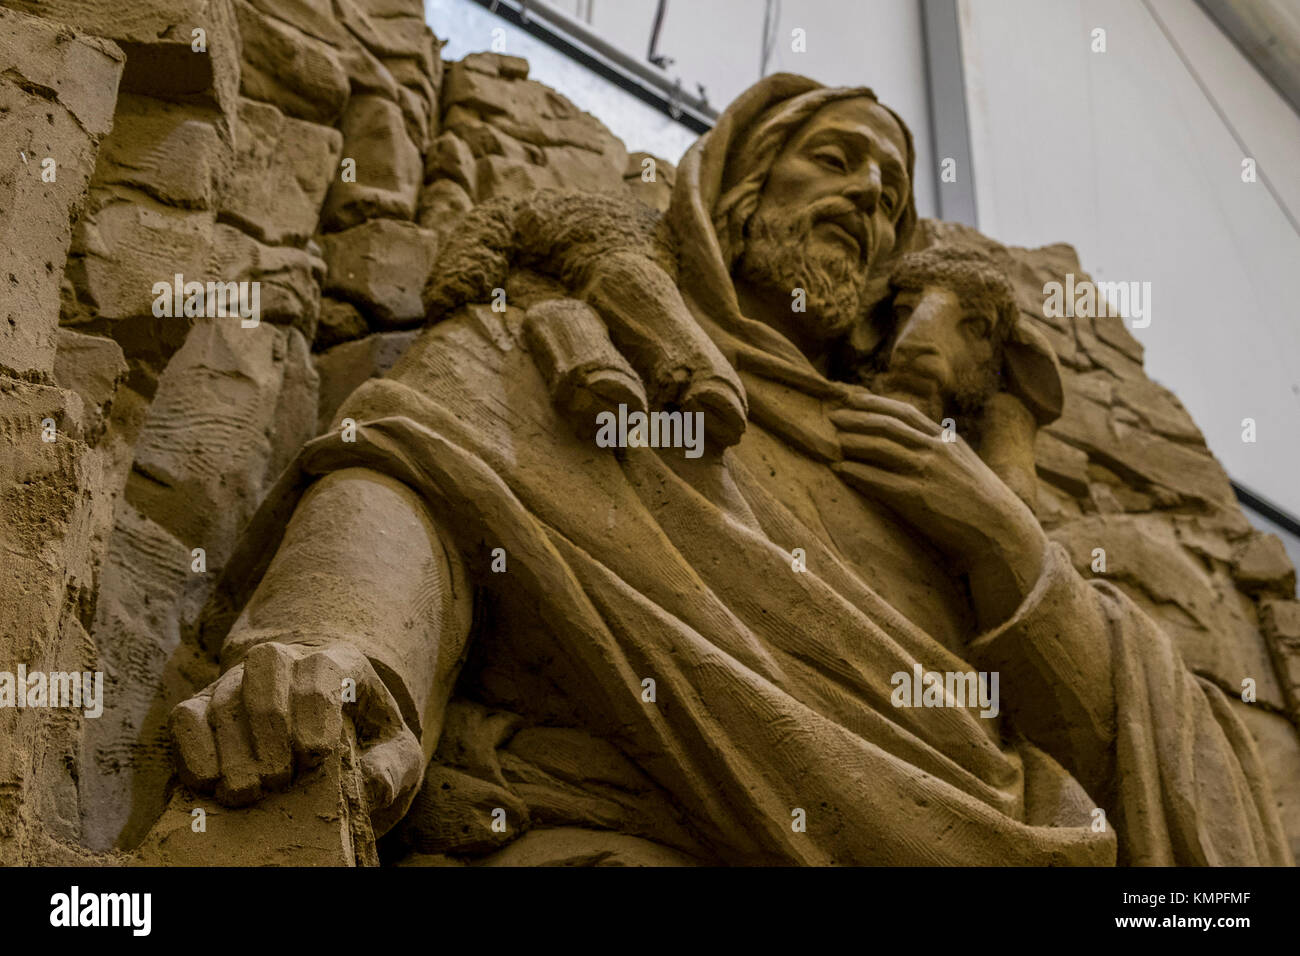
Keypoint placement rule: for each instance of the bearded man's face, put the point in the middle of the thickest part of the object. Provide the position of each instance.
(828, 214)
(944, 355)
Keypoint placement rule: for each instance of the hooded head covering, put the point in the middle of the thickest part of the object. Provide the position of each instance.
(736, 157)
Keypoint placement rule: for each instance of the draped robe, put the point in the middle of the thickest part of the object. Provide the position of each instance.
(773, 685)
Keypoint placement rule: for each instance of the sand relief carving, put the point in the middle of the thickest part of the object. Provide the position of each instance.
(529, 647)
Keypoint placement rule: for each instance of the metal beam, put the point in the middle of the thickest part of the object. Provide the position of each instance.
(1268, 34)
(1273, 512)
(949, 123)
(578, 41)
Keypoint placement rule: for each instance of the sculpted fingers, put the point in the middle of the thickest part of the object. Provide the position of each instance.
(392, 770)
(268, 674)
(239, 782)
(316, 702)
(196, 748)
(215, 733)
(391, 757)
(282, 709)
(883, 452)
(883, 441)
(376, 715)
(865, 401)
(852, 423)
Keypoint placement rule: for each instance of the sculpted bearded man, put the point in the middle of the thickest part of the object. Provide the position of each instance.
(660, 659)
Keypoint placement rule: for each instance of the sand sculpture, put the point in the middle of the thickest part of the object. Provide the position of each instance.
(769, 672)
(821, 602)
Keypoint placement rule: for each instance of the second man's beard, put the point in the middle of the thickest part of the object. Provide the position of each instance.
(779, 257)
(964, 396)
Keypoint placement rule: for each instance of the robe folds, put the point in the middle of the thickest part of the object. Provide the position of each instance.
(773, 685)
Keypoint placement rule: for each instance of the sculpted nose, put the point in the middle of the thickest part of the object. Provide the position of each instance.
(864, 191)
(912, 344)
(917, 337)
(920, 335)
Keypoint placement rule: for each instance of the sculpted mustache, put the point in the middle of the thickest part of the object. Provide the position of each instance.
(834, 207)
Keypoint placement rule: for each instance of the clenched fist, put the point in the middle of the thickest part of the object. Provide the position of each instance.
(280, 711)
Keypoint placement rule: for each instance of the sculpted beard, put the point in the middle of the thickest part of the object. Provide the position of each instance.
(972, 387)
(779, 255)
(966, 394)
(963, 392)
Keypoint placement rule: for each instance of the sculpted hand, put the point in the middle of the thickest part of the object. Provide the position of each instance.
(280, 711)
(895, 454)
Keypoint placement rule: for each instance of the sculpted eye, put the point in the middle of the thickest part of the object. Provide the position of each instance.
(976, 325)
(888, 202)
(832, 158)
(904, 304)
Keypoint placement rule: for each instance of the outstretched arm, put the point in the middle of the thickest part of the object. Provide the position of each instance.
(364, 613)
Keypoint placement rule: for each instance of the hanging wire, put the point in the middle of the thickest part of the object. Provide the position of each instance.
(652, 53)
(771, 23)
